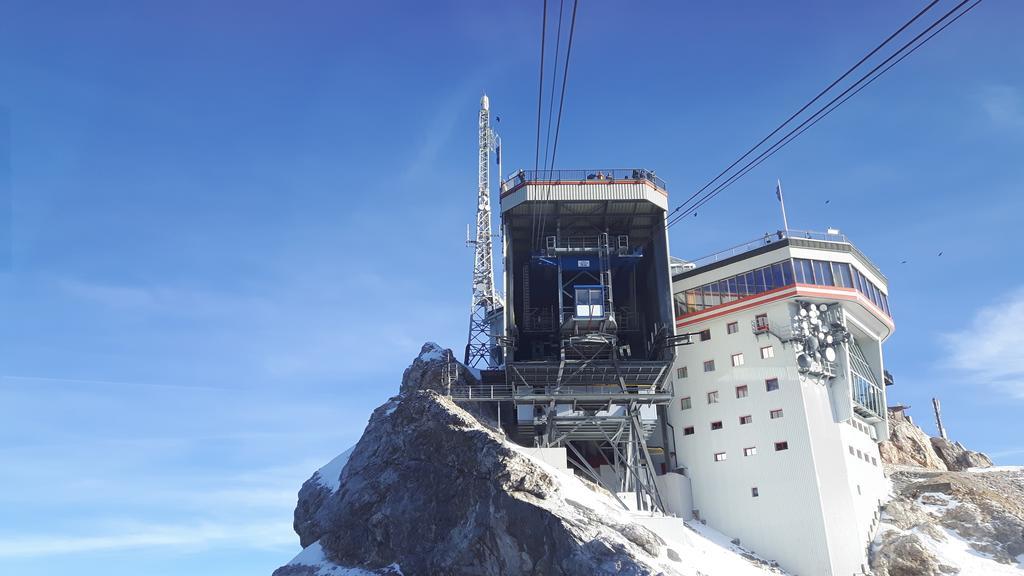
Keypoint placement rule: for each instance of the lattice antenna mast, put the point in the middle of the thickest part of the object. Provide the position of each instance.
(485, 297)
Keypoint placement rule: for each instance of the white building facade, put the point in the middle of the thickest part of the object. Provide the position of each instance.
(780, 399)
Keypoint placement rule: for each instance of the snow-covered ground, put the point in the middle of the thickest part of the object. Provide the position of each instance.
(690, 549)
(948, 547)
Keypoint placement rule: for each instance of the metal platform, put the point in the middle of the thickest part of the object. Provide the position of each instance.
(635, 375)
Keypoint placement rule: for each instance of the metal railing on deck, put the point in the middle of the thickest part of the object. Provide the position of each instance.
(482, 392)
(766, 240)
(604, 174)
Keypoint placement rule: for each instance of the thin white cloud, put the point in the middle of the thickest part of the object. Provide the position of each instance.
(183, 537)
(1004, 105)
(990, 351)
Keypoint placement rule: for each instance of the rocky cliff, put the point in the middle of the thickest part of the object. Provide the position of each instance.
(952, 523)
(950, 511)
(430, 489)
(908, 445)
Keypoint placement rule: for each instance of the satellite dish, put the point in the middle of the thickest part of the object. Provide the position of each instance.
(804, 361)
(823, 307)
(811, 344)
(829, 339)
(830, 354)
(803, 312)
(813, 313)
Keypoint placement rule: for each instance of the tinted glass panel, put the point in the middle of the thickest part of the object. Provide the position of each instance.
(823, 273)
(741, 285)
(723, 289)
(843, 274)
(759, 281)
(777, 280)
(808, 269)
(787, 272)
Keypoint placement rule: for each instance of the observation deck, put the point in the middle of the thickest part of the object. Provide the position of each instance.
(623, 184)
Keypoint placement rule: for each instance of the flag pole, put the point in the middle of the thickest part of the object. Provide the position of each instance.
(778, 194)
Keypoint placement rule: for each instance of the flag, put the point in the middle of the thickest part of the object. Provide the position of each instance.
(778, 191)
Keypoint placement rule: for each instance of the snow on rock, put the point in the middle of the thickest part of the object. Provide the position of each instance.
(425, 371)
(313, 562)
(952, 523)
(330, 475)
(431, 489)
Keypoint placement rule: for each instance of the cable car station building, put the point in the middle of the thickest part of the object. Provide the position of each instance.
(779, 400)
(745, 389)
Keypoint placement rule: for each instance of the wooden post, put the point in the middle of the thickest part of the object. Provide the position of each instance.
(938, 418)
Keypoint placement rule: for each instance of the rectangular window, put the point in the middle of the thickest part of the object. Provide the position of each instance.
(759, 283)
(705, 335)
(859, 454)
(681, 372)
(685, 403)
(761, 322)
(732, 327)
(775, 414)
(780, 446)
(823, 273)
(737, 360)
(805, 274)
(767, 352)
(769, 280)
(709, 365)
(852, 451)
(713, 397)
(841, 271)
(746, 420)
(874, 461)
(716, 425)
(723, 289)
(688, 431)
(752, 451)
(741, 391)
(753, 492)
(719, 456)
(741, 286)
(711, 297)
(787, 272)
(771, 384)
(777, 278)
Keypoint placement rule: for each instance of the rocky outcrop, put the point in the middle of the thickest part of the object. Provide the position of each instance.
(430, 489)
(929, 509)
(426, 371)
(956, 457)
(908, 445)
(905, 555)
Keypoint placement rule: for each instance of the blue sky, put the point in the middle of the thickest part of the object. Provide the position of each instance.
(230, 226)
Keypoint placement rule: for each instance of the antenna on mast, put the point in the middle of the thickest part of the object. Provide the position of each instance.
(479, 347)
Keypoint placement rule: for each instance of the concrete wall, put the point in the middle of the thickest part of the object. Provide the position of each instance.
(816, 503)
(676, 494)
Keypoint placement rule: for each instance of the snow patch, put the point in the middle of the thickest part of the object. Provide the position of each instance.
(314, 557)
(954, 550)
(431, 352)
(701, 551)
(330, 475)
